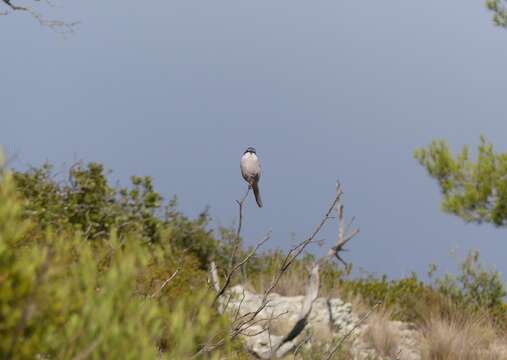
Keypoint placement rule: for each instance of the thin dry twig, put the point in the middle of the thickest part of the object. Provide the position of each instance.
(240, 205)
(238, 265)
(59, 26)
(312, 291)
(237, 240)
(351, 331)
(89, 349)
(246, 321)
(165, 283)
(298, 348)
(345, 234)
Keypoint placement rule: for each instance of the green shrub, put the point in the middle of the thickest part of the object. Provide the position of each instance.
(404, 296)
(85, 202)
(475, 288)
(65, 295)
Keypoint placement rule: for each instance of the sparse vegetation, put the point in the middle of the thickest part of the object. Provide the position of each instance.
(380, 335)
(87, 269)
(462, 337)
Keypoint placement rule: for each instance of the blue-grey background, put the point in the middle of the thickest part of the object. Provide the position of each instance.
(324, 90)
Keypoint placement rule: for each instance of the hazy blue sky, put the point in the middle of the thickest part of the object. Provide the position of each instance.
(323, 89)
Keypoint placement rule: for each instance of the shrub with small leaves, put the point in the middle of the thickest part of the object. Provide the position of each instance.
(66, 295)
(475, 288)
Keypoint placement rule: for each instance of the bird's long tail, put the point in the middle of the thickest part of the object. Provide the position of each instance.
(257, 194)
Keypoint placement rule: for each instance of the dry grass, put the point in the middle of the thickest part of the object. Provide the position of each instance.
(319, 351)
(460, 338)
(292, 283)
(380, 335)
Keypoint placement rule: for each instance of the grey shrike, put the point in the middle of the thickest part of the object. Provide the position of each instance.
(251, 171)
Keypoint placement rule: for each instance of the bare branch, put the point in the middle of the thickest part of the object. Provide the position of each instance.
(351, 331)
(299, 248)
(89, 349)
(240, 205)
(214, 276)
(59, 26)
(345, 234)
(283, 345)
(165, 283)
(14, 7)
(312, 292)
(305, 341)
(238, 265)
(238, 231)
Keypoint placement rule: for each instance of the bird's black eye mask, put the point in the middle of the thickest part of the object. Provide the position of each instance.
(250, 150)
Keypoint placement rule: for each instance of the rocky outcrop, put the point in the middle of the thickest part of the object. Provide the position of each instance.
(329, 320)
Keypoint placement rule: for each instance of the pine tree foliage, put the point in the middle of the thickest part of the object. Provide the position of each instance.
(475, 190)
(499, 8)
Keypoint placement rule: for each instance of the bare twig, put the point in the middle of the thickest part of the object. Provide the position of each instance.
(305, 341)
(89, 349)
(299, 248)
(345, 234)
(59, 26)
(237, 244)
(240, 205)
(14, 7)
(351, 331)
(164, 283)
(237, 266)
(312, 291)
(214, 276)
(286, 344)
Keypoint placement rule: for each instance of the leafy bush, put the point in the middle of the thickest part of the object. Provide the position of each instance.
(66, 292)
(475, 288)
(85, 202)
(405, 296)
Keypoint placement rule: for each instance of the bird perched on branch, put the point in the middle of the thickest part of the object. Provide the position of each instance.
(251, 171)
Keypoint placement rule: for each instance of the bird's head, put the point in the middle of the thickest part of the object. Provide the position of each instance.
(250, 150)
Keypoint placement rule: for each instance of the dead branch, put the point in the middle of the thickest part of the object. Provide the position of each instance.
(305, 341)
(14, 7)
(237, 266)
(299, 248)
(164, 284)
(240, 205)
(59, 26)
(345, 234)
(310, 297)
(214, 276)
(237, 240)
(312, 292)
(348, 334)
(242, 323)
(89, 349)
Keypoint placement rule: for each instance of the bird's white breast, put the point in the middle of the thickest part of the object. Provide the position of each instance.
(250, 165)
(249, 156)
